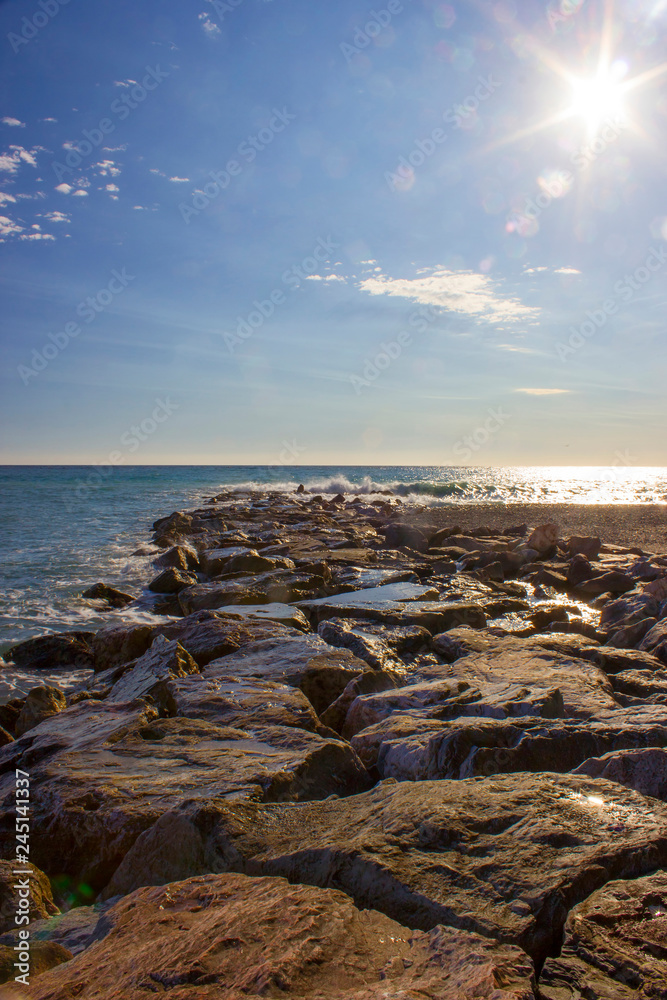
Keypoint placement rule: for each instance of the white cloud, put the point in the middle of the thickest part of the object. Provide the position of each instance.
(56, 217)
(124, 83)
(534, 270)
(543, 392)
(567, 270)
(455, 291)
(6, 197)
(322, 277)
(24, 155)
(112, 187)
(13, 121)
(179, 180)
(80, 194)
(48, 119)
(37, 236)
(209, 26)
(107, 167)
(65, 188)
(514, 348)
(8, 227)
(154, 170)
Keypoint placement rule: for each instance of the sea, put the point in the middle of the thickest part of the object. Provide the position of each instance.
(63, 528)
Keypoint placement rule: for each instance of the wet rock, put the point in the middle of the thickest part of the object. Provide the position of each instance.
(179, 557)
(281, 586)
(233, 701)
(40, 704)
(64, 649)
(283, 614)
(9, 713)
(645, 770)
(585, 545)
(614, 945)
(119, 644)
(91, 801)
(255, 936)
(543, 538)
(657, 588)
(172, 581)
(507, 856)
(627, 610)
(464, 749)
(369, 681)
(397, 534)
(207, 635)
(633, 687)
(370, 648)
(579, 570)
(613, 582)
(40, 898)
(252, 562)
(435, 616)
(170, 531)
(44, 955)
(149, 676)
(76, 929)
(655, 641)
(630, 635)
(215, 561)
(103, 592)
(613, 661)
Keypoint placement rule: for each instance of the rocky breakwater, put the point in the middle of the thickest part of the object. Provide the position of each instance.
(352, 754)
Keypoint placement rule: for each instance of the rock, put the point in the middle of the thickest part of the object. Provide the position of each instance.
(614, 945)
(171, 530)
(113, 597)
(435, 616)
(302, 661)
(41, 897)
(40, 704)
(45, 652)
(613, 661)
(369, 681)
(5, 737)
(172, 581)
(630, 635)
(657, 588)
(451, 698)
(120, 644)
(340, 632)
(208, 635)
(179, 557)
(645, 770)
(639, 686)
(397, 534)
(249, 702)
(9, 713)
(543, 538)
(627, 610)
(579, 570)
(584, 687)
(655, 641)
(281, 586)
(284, 614)
(252, 562)
(90, 802)
(457, 642)
(76, 929)
(44, 955)
(233, 936)
(149, 676)
(585, 545)
(214, 561)
(613, 582)
(462, 748)
(507, 856)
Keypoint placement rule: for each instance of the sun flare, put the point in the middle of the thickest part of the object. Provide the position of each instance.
(596, 99)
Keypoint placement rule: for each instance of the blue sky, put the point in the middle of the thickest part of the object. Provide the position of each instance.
(218, 216)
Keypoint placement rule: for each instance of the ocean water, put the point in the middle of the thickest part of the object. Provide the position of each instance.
(63, 528)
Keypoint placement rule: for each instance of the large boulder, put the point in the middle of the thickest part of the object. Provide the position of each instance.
(40, 898)
(507, 856)
(164, 661)
(543, 538)
(40, 704)
(110, 595)
(585, 545)
(232, 936)
(90, 802)
(277, 586)
(45, 652)
(207, 635)
(614, 945)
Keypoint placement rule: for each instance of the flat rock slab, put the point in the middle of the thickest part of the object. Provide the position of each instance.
(436, 616)
(88, 805)
(230, 936)
(585, 688)
(393, 592)
(463, 748)
(207, 635)
(303, 661)
(244, 702)
(615, 945)
(507, 856)
(284, 614)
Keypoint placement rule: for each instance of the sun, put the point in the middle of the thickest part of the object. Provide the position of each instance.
(597, 99)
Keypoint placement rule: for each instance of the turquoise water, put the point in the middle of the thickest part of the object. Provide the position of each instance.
(63, 528)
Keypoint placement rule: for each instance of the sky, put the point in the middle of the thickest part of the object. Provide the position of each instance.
(265, 231)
